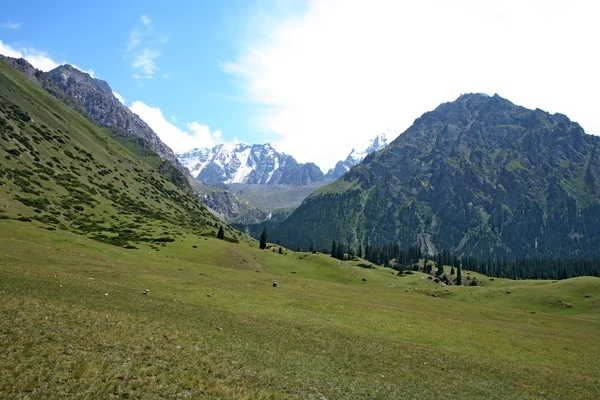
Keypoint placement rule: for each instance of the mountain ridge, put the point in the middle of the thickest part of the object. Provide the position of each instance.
(478, 176)
(104, 109)
(243, 163)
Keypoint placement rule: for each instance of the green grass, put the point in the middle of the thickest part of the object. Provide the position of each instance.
(514, 165)
(337, 186)
(75, 324)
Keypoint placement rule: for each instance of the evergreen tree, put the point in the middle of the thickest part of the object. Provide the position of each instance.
(452, 271)
(440, 265)
(440, 268)
(280, 251)
(459, 276)
(221, 233)
(263, 239)
(334, 250)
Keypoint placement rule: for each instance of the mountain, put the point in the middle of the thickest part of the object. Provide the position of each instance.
(231, 207)
(60, 171)
(479, 176)
(43, 80)
(104, 109)
(94, 99)
(359, 153)
(253, 164)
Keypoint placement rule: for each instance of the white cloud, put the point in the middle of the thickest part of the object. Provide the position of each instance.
(11, 25)
(179, 140)
(144, 60)
(119, 97)
(142, 49)
(135, 38)
(145, 20)
(38, 59)
(90, 72)
(346, 70)
(9, 51)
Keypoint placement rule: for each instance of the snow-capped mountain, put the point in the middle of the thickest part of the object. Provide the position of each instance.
(242, 163)
(360, 152)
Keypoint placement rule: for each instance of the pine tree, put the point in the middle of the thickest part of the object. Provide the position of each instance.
(263, 239)
(334, 250)
(440, 267)
(452, 271)
(280, 251)
(221, 233)
(459, 276)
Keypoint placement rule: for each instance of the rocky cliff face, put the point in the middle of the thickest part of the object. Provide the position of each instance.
(231, 207)
(104, 109)
(478, 176)
(254, 164)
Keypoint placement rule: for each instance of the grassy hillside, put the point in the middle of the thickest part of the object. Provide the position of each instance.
(59, 171)
(75, 324)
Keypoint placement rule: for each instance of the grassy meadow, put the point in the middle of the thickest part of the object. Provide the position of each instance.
(75, 323)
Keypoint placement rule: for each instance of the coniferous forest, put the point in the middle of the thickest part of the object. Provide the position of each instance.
(391, 255)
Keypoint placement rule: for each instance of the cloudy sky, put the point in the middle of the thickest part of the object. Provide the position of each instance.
(315, 78)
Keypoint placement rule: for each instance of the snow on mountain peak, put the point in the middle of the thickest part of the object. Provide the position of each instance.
(236, 162)
(358, 153)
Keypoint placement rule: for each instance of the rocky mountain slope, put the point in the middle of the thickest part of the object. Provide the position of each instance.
(93, 99)
(253, 164)
(359, 153)
(104, 109)
(43, 80)
(60, 171)
(478, 176)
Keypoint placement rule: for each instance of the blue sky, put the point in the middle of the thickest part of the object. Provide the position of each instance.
(187, 45)
(315, 77)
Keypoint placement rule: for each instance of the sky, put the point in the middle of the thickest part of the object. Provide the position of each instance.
(314, 77)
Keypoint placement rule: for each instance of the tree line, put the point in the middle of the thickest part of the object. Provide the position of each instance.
(392, 255)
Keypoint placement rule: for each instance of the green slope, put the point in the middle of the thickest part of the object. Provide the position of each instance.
(59, 171)
(75, 324)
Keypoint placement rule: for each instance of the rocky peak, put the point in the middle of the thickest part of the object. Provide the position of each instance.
(104, 109)
(359, 153)
(243, 163)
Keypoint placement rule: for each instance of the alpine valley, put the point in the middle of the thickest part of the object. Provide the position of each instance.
(123, 276)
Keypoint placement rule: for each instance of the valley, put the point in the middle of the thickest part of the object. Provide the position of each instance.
(128, 271)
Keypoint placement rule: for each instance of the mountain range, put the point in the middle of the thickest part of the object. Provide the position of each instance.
(227, 163)
(479, 176)
(253, 164)
(232, 163)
